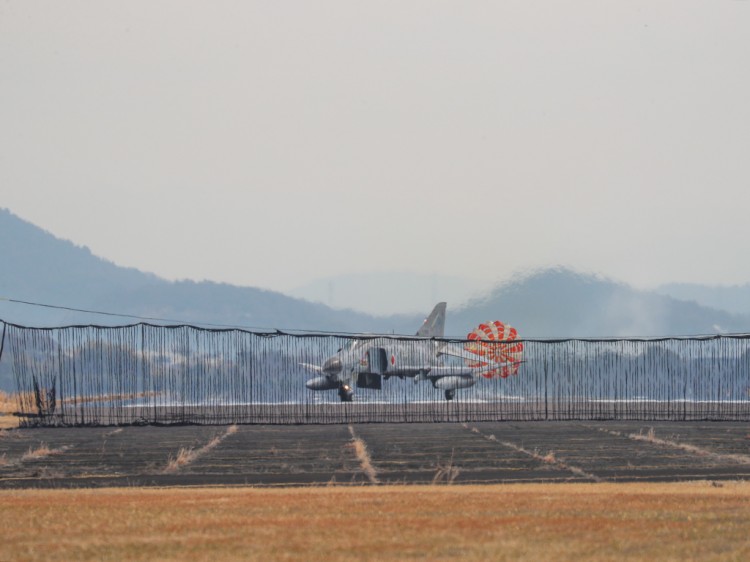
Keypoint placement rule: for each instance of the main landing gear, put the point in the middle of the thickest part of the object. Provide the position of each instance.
(346, 394)
(449, 394)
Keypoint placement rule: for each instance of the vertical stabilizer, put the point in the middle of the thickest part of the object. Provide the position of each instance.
(434, 325)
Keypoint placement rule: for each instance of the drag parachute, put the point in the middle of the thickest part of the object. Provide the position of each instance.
(496, 348)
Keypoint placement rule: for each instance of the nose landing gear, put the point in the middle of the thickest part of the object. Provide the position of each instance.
(346, 394)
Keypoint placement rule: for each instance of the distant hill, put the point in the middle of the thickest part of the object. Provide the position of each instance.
(562, 303)
(38, 267)
(734, 299)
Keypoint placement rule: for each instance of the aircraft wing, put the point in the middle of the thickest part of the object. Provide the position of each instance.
(310, 366)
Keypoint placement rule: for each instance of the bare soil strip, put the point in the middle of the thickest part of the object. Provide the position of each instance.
(395, 454)
(548, 458)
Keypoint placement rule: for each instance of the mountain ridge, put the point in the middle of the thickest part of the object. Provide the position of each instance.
(41, 268)
(560, 302)
(551, 302)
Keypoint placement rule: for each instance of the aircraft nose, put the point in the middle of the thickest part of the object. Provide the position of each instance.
(332, 366)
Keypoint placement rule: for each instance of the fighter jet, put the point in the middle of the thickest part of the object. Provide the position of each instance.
(368, 362)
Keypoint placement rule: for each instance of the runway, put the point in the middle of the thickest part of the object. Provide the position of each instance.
(370, 454)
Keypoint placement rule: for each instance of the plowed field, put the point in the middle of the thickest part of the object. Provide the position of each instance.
(470, 453)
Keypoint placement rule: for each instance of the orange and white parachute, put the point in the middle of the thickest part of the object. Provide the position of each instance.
(496, 348)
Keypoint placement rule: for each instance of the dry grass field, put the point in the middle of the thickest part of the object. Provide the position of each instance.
(8, 405)
(8, 402)
(685, 521)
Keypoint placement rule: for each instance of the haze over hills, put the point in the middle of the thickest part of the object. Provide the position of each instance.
(734, 299)
(38, 267)
(559, 302)
(382, 293)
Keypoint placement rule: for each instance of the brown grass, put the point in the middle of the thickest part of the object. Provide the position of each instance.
(186, 456)
(109, 397)
(650, 437)
(548, 458)
(8, 403)
(693, 521)
(41, 451)
(446, 472)
(9, 422)
(363, 456)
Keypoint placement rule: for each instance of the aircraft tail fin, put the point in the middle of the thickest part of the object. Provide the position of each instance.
(434, 324)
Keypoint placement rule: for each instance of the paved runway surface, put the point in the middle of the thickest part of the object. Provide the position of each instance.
(487, 452)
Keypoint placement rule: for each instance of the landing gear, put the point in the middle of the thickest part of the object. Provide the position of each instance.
(449, 394)
(346, 394)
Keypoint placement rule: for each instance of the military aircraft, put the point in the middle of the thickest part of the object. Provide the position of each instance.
(368, 362)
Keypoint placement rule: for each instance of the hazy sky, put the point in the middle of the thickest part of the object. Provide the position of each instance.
(272, 143)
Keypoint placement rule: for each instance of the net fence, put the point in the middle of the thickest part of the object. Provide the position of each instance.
(149, 374)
